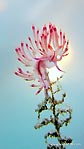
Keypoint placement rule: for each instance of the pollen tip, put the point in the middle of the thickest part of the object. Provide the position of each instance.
(54, 29)
(16, 73)
(67, 42)
(51, 30)
(20, 70)
(23, 55)
(40, 43)
(35, 42)
(49, 46)
(32, 85)
(33, 27)
(42, 35)
(19, 59)
(45, 37)
(44, 28)
(16, 50)
(37, 31)
(60, 32)
(30, 48)
(64, 36)
(26, 45)
(22, 44)
(50, 25)
(29, 38)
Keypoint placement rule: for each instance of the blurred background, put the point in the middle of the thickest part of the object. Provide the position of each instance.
(17, 100)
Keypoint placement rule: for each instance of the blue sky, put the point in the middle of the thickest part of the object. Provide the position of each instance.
(17, 99)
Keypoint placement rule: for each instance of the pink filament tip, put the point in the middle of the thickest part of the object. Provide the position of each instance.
(64, 36)
(29, 38)
(67, 42)
(44, 28)
(30, 48)
(49, 46)
(37, 31)
(26, 45)
(19, 59)
(45, 37)
(23, 55)
(16, 50)
(51, 30)
(33, 27)
(42, 35)
(20, 70)
(54, 29)
(22, 44)
(50, 25)
(19, 49)
(35, 42)
(40, 42)
(60, 32)
(32, 85)
(16, 73)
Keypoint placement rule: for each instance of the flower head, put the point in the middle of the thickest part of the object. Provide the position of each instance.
(45, 51)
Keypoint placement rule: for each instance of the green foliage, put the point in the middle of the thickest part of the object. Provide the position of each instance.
(52, 104)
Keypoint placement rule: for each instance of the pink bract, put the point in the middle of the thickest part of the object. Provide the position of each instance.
(46, 49)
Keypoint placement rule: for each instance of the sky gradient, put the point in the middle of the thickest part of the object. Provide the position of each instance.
(17, 99)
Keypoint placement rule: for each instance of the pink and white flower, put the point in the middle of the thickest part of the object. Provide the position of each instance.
(45, 51)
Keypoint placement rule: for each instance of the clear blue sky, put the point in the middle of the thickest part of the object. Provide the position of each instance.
(17, 99)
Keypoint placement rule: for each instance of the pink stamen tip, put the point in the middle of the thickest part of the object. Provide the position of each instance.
(20, 70)
(67, 42)
(19, 59)
(35, 42)
(19, 49)
(66, 49)
(50, 25)
(26, 45)
(49, 46)
(32, 85)
(23, 55)
(54, 29)
(64, 36)
(16, 73)
(30, 48)
(16, 50)
(40, 42)
(37, 31)
(45, 37)
(33, 27)
(29, 38)
(60, 32)
(51, 30)
(42, 35)
(22, 44)
(44, 28)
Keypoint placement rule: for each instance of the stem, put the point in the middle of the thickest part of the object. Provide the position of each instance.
(54, 118)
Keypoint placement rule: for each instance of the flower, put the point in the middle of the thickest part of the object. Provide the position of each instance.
(48, 48)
